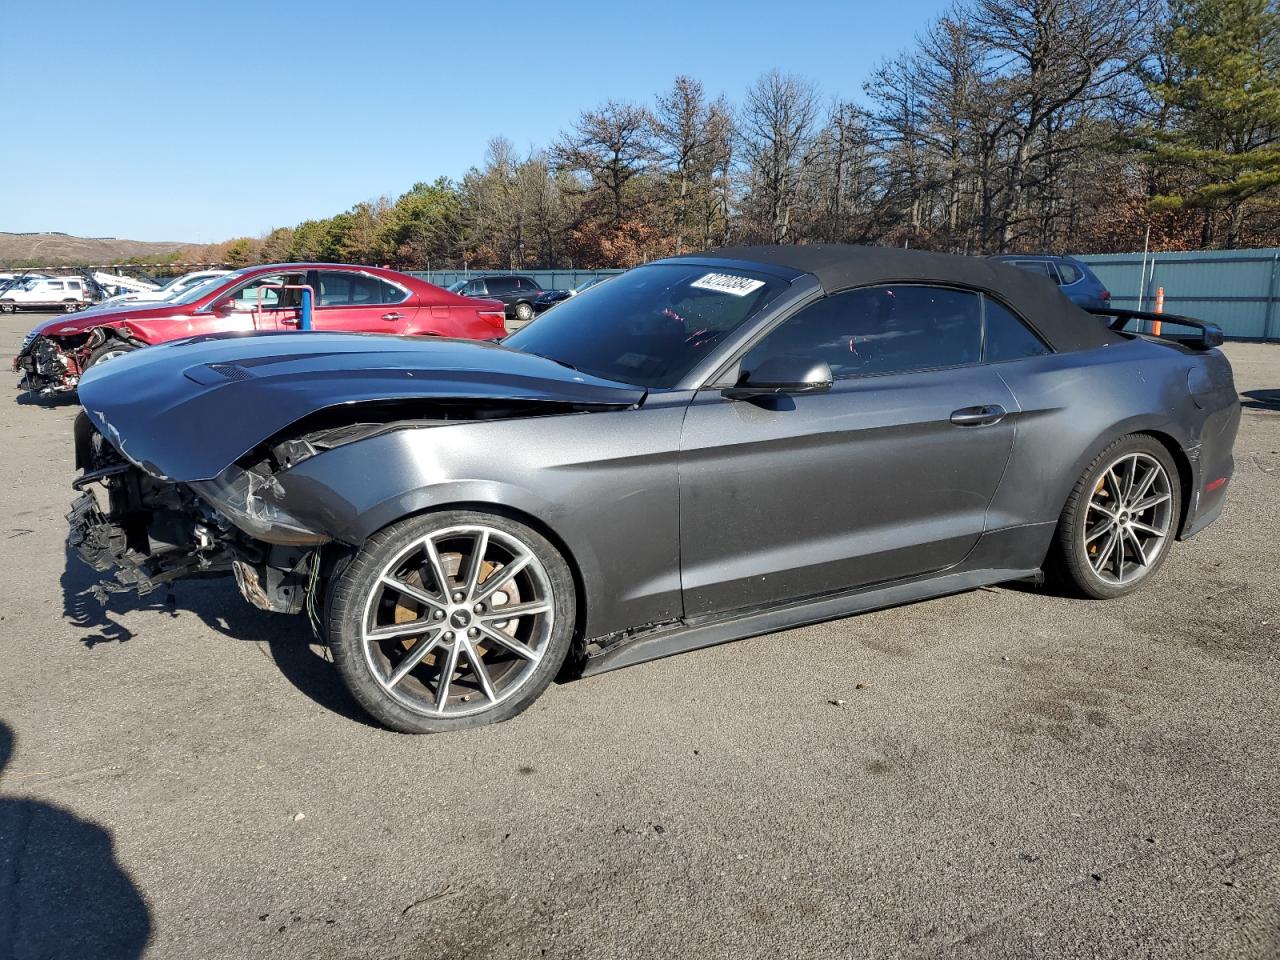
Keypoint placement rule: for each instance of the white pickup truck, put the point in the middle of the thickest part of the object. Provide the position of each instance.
(48, 293)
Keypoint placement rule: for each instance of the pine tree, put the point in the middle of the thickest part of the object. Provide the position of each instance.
(1221, 92)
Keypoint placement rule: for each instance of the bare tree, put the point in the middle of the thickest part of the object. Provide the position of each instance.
(691, 137)
(775, 136)
(612, 145)
(1046, 57)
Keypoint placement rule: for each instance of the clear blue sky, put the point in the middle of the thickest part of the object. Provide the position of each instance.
(195, 121)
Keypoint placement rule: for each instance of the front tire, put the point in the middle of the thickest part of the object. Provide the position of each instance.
(452, 620)
(1120, 520)
(110, 350)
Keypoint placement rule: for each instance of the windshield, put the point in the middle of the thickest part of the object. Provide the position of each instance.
(170, 286)
(456, 286)
(204, 288)
(650, 326)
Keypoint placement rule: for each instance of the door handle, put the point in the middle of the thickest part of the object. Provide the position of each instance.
(393, 316)
(982, 416)
(290, 321)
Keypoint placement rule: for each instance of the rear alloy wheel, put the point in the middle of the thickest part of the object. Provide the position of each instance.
(451, 620)
(1121, 518)
(524, 312)
(110, 350)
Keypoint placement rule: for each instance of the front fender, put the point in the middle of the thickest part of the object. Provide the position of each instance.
(121, 330)
(604, 485)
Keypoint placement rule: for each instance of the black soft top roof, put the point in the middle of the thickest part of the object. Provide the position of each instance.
(840, 267)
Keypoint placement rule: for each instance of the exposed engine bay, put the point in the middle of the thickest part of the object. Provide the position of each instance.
(52, 366)
(147, 532)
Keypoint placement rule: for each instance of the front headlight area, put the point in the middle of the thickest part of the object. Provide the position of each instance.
(254, 502)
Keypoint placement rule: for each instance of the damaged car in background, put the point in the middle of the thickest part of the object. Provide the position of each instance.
(267, 298)
(706, 448)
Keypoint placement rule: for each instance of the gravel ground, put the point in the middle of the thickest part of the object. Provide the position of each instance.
(1010, 774)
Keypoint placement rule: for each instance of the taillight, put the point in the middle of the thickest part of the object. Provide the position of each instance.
(1106, 294)
(495, 318)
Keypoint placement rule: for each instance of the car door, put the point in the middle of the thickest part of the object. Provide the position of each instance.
(885, 476)
(504, 289)
(475, 288)
(260, 303)
(361, 302)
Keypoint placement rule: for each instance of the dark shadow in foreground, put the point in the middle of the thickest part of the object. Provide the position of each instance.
(218, 604)
(1261, 399)
(62, 893)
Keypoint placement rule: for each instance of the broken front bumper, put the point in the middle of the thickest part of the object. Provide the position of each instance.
(46, 367)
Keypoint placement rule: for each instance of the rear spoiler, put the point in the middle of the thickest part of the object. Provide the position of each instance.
(1206, 337)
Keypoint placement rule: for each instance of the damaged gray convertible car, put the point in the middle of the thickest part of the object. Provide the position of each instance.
(705, 448)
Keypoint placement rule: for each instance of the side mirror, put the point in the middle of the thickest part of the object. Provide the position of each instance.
(224, 309)
(782, 375)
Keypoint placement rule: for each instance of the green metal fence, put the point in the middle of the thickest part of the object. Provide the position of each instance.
(547, 279)
(1236, 289)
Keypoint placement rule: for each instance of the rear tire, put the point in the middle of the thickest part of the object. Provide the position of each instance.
(524, 312)
(1120, 520)
(425, 657)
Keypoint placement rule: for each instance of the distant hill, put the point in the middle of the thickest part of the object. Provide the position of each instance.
(61, 249)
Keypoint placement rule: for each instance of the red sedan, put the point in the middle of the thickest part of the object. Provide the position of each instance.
(362, 299)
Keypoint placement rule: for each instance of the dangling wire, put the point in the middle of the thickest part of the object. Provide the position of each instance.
(313, 583)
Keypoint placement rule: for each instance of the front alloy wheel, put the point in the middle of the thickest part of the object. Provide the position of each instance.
(110, 350)
(451, 620)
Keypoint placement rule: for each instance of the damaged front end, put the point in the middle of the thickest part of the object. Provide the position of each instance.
(147, 531)
(50, 366)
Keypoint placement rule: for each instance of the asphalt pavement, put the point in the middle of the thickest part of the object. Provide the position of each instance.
(1003, 773)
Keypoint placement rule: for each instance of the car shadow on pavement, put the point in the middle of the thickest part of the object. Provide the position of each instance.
(28, 399)
(218, 604)
(62, 892)
(1261, 399)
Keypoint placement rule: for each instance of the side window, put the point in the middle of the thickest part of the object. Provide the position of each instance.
(55, 284)
(1007, 337)
(246, 298)
(347, 289)
(501, 285)
(1039, 266)
(335, 289)
(390, 293)
(879, 330)
(475, 288)
(1069, 272)
(365, 290)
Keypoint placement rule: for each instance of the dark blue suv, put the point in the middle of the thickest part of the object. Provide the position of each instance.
(1080, 285)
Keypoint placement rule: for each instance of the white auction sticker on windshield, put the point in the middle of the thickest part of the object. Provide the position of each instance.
(727, 283)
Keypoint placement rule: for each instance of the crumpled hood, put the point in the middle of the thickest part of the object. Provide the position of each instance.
(189, 409)
(84, 320)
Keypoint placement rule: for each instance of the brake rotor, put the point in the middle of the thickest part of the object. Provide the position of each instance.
(452, 563)
(1099, 490)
